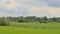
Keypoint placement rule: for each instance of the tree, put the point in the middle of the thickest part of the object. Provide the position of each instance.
(45, 19)
(54, 19)
(4, 22)
(20, 20)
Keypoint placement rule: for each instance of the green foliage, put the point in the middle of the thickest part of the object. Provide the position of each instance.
(4, 22)
(21, 19)
(44, 19)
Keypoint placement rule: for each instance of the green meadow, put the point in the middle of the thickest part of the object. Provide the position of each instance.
(30, 28)
(18, 30)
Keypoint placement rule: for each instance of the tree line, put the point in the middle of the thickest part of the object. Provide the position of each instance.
(4, 20)
(34, 19)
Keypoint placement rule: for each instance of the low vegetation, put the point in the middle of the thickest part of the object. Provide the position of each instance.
(31, 22)
(29, 25)
(36, 25)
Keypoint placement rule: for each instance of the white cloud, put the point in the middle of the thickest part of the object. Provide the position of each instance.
(8, 4)
(32, 7)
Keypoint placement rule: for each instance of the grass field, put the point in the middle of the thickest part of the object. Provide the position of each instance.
(17, 30)
(30, 28)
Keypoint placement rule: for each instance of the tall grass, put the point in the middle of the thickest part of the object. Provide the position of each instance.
(36, 25)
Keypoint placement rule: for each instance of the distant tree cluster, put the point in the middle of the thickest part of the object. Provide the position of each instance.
(4, 21)
(44, 19)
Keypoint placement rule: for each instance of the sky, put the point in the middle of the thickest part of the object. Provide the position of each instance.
(50, 8)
